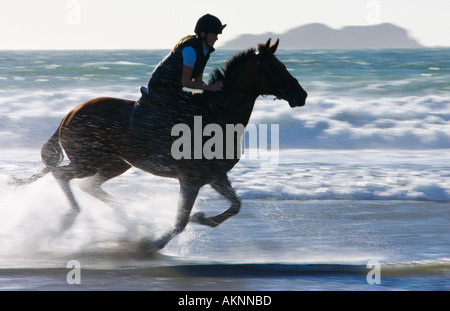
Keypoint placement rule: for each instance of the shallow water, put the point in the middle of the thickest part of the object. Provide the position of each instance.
(321, 243)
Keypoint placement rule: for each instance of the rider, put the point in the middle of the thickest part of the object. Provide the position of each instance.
(182, 67)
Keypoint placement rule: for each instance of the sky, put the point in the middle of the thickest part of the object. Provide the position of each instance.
(149, 24)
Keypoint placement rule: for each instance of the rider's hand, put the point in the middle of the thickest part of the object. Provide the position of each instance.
(217, 86)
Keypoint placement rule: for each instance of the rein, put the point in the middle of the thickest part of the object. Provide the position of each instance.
(275, 84)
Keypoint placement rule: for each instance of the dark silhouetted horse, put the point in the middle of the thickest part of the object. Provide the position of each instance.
(97, 138)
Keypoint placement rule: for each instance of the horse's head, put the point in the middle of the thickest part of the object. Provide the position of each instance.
(275, 79)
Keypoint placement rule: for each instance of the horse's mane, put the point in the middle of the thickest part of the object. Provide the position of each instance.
(231, 64)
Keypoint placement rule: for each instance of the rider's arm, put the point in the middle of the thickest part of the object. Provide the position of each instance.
(189, 58)
(199, 78)
(197, 83)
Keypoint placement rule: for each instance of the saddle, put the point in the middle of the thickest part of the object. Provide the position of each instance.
(165, 101)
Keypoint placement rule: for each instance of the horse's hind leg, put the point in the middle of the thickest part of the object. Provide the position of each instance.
(63, 175)
(223, 186)
(92, 185)
(75, 170)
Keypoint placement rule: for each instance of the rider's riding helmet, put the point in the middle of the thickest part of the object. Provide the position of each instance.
(209, 24)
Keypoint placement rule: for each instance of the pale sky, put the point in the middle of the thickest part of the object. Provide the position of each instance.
(148, 24)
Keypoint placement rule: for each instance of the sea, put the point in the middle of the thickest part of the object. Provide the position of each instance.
(354, 195)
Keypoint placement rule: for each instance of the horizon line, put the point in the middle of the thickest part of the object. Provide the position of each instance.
(233, 38)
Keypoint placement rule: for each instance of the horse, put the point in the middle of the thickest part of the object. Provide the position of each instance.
(97, 138)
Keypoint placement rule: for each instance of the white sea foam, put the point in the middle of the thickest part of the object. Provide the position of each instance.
(410, 122)
(119, 63)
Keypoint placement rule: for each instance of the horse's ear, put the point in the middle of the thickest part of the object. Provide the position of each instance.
(274, 47)
(264, 47)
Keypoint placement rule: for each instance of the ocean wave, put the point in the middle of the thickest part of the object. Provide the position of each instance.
(409, 122)
(388, 99)
(117, 63)
(312, 174)
(436, 266)
(167, 268)
(418, 267)
(308, 174)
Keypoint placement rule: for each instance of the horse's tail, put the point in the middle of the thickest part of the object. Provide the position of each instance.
(51, 152)
(52, 155)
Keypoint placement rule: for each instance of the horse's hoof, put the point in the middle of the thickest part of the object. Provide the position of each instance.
(148, 247)
(198, 218)
(69, 219)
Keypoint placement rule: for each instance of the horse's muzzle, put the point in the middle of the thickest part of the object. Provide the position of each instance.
(297, 100)
(293, 93)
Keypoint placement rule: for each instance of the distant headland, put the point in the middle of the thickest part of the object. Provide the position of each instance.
(320, 36)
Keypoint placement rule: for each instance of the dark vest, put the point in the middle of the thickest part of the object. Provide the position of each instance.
(169, 71)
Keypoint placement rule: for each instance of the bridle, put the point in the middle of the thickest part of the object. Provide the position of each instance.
(276, 85)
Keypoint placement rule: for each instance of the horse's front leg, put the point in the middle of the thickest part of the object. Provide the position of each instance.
(223, 186)
(186, 200)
